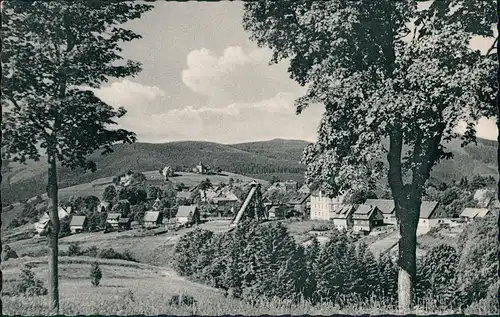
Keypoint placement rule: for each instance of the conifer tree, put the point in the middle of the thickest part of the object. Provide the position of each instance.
(388, 278)
(312, 257)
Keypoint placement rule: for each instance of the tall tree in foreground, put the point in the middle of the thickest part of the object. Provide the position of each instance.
(54, 54)
(388, 89)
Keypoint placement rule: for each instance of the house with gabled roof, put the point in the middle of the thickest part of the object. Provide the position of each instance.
(188, 214)
(428, 215)
(152, 219)
(469, 214)
(343, 217)
(386, 206)
(113, 219)
(300, 203)
(367, 217)
(78, 224)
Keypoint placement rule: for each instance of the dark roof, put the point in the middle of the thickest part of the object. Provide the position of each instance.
(299, 199)
(344, 212)
(77, 220)
(151, 216)
(386, 206)
(427, 209)
(364, 211)
(185, 211)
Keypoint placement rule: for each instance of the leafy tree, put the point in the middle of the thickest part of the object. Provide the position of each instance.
(360, 196)
(384, 93)
(109, 193)
(205, 184)
(74, 249)
(49, 57)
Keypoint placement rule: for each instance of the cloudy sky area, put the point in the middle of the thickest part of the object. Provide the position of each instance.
(203, 79)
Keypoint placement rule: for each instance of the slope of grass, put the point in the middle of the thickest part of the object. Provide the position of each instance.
(136, 289)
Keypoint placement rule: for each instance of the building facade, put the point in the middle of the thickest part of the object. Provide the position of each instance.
(323, 207)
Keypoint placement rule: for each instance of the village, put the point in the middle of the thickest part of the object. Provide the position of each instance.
(205, 202)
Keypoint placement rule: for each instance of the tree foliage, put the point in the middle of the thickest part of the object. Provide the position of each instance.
(387, 90)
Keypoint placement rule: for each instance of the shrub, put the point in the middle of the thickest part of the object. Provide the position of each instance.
(8, 253)
(74, 249)
(95, 274)
(112, 254)
(179, 300)
(14, 224)
(91, 251)
(28, 284)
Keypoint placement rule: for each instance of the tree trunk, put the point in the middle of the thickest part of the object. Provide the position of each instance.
(498, 102)
(407, 248)
(52, 192)
(407, 211)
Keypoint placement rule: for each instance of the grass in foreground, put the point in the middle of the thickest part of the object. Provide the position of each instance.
(132, 289)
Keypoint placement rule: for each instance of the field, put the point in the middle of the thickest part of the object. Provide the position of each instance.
(146, 287)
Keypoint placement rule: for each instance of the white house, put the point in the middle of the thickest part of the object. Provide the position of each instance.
(323, 207)
(78, 224)
(187, 214)
(428, 216)
(342, 218)
(472, 213)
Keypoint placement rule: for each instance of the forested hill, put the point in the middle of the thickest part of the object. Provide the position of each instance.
(263, 159)
(269, 158)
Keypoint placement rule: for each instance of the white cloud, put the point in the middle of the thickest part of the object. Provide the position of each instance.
(234, 122)
(235, 75)
(206, 72)
(134, 97)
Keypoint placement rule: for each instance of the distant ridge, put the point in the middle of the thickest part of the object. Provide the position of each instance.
(261, 159)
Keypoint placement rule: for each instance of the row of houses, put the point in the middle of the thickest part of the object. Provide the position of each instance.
(377, 212)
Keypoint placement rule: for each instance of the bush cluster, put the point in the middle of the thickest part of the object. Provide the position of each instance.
(74, 249)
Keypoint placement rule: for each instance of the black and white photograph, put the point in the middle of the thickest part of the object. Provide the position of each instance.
(268, 157)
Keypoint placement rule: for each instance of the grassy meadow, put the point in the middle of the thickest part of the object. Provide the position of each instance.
(132, 288)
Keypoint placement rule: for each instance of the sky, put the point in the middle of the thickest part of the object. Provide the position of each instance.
(203, 79)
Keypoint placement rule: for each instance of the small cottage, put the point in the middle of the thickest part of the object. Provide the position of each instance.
(152, 219)
(113, 219)
(366, 217)
(78, 224)
(470, 214)
(188, 214)
(386, 206)
(277, 212)
(299, 203)
(428, 215)
(342, 218)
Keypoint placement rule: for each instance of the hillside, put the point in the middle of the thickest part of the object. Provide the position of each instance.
(263, 160)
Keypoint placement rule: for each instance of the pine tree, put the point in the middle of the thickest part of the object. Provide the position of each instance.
(388, 278)
(95, 274)
(312, 256)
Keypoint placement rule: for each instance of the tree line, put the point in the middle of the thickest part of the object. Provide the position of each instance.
(258, 261)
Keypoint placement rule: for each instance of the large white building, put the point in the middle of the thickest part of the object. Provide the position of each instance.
(323, 207)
